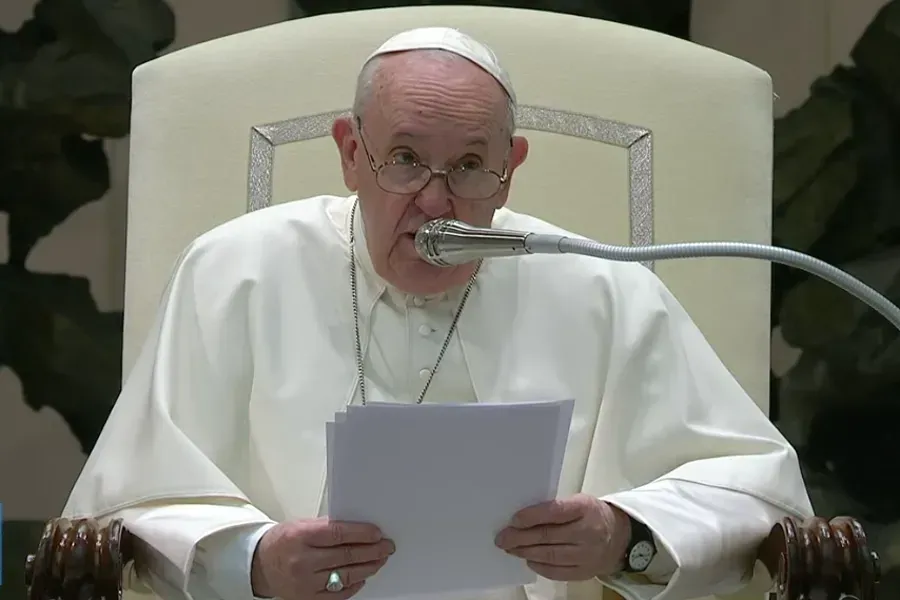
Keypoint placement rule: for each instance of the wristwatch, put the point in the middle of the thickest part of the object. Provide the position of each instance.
(641, 548)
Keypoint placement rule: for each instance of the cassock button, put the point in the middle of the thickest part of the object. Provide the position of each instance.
(424, 330)
(424, 373)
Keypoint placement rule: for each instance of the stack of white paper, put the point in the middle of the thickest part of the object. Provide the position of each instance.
(441, 480)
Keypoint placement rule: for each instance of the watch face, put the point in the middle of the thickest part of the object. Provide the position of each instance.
(640, 556)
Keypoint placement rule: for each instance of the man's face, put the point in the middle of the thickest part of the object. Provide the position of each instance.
(444, 114)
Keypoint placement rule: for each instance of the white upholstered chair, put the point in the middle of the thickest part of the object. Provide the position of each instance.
(635, 137)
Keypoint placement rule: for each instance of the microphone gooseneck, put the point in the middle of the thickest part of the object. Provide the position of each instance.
(447, 243)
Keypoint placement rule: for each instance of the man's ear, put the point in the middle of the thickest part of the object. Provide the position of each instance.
(342, 132)
(518, 153)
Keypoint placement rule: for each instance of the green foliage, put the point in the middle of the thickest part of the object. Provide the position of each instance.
(837, 196)
(19, 539)
(672, 17)
(65, 85)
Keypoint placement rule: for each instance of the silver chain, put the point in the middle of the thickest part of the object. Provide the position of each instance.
(360, 365)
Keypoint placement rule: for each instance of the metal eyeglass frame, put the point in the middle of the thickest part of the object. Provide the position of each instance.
(502, 179)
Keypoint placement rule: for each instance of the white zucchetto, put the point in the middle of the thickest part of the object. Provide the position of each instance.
(450, 40)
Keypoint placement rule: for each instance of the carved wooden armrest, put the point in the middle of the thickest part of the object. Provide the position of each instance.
(827, 558)
(79, 560)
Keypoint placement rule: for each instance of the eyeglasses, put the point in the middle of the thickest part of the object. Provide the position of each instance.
(467, 183)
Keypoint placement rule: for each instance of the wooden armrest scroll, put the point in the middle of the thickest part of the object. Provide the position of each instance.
(80, 560)
(820, 558)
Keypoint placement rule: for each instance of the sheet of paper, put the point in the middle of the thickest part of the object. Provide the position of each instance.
(441, 480)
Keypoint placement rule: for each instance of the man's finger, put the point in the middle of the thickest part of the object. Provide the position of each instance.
(337, 533)
(350, 576)
(345, 594)
(553, 555)
(351, 554)
(555, 512)
(541, 534)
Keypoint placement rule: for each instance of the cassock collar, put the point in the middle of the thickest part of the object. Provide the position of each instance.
(490, 309)
(381, 287)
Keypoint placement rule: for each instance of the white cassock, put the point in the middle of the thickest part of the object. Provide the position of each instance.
(220, 427)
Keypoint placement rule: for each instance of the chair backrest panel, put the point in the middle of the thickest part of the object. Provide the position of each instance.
(635, 137)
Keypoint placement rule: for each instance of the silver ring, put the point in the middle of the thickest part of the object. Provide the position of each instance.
(335, 584)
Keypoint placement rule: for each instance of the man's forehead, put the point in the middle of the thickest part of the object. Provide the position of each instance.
(418, 103)
(415, 63)
(404, 117)
(471, 136)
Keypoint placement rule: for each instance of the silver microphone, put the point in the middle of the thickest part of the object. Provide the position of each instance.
(447, 243)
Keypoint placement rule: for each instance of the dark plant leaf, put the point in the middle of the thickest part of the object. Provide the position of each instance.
(837, 178)
(841, 444)
(65, 352)
(132, 31)
(877, 53)
(19, 46)
(75, 91)
(672, 17)
(817, 315)
(815, 163)
(65, 77)
(20, 538)
(44, 178)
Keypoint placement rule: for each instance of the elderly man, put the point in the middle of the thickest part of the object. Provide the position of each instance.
(214, 454)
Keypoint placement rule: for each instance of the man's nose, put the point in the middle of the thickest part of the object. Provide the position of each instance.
(434, 199)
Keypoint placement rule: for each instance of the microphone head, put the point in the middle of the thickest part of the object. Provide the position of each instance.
(449, 243)
(427, 240)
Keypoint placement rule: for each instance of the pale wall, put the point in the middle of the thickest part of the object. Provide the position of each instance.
(795, 40)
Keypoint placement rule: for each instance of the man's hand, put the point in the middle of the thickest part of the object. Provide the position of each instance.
(293, 560)
(569, 540)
